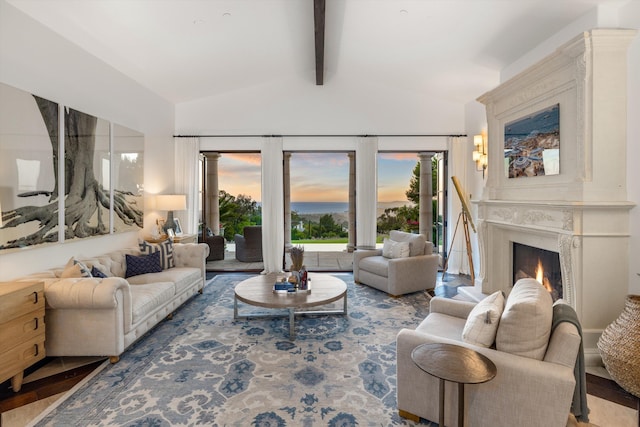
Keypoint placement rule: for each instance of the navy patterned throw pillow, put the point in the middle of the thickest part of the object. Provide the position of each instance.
(165, 248)
(143, 264)
(97, 273)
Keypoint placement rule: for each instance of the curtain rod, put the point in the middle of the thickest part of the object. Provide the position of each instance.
(320, 136)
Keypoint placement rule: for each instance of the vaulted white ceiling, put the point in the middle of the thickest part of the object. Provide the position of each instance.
(189, 49)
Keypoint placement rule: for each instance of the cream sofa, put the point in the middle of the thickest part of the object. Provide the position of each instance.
(529, 389)
(398, 275)
(91, 316)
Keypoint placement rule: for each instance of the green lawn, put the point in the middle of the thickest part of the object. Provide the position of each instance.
(379, 239)
(336, 240)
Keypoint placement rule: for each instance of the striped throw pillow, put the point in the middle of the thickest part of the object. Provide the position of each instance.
(165, 248)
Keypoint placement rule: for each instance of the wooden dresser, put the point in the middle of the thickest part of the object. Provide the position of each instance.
(21, 329)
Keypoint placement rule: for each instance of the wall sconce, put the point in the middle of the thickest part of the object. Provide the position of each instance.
(480, 153)
(171, 203)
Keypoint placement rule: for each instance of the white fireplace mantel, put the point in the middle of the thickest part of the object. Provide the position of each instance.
(582, 213)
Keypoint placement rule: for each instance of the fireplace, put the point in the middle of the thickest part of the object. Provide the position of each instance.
(581, 215)
(539, 264)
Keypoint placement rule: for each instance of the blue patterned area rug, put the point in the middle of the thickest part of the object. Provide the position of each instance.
(204, 368)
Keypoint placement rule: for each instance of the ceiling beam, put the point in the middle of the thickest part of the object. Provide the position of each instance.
(319, 24)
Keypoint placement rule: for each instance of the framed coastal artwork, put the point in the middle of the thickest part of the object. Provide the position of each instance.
(56, 184)
(532, 144)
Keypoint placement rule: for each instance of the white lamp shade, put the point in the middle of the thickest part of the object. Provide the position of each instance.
(171, 202)
(477, 140)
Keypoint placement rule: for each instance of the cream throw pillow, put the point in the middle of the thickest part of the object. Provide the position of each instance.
(393, 249)
(525, 325)
(482, 323)
(75, 268)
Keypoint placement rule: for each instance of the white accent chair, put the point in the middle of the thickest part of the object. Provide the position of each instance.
(398, 276)
(526, 392)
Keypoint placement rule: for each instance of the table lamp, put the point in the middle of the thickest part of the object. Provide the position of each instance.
(171, 203)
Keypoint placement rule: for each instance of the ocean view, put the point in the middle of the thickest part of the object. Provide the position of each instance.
(334, 207)
(319, 207)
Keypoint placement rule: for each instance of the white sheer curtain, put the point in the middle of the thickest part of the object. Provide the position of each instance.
(366, 191)
(187, 152)
(272, 205)
(458, 157)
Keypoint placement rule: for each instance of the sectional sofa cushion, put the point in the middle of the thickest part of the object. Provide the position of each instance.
(145, 299)
(179, 276)
(525, 324)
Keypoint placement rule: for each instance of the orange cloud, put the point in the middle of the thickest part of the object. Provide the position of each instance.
(399, 156)
(250, 158)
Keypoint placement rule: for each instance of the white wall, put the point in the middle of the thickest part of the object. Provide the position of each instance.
(630, 18)
(337, 107)
(604, 16)
(475, 123)
(35, 59)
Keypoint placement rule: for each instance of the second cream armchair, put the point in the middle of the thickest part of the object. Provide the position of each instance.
(394, 272)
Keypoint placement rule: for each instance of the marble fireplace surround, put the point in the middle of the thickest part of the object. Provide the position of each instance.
(581, 213)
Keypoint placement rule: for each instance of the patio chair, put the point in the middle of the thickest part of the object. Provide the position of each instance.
(249, 244)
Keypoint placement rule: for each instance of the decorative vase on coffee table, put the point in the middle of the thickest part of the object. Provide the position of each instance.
(619, 346)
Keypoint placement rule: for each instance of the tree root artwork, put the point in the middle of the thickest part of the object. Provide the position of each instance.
(85, 199)
(47, 216)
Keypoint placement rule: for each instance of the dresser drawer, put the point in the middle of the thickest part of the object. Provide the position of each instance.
(20, 298)
(21, 357)
(21, 329)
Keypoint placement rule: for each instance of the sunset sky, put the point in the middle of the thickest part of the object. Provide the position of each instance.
(317, 177)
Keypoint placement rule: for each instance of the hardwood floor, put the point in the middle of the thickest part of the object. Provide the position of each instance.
(44, 387)
(607, 389)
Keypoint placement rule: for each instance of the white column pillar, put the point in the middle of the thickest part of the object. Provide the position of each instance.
(426, 196)
(213, 193)
(352, 202)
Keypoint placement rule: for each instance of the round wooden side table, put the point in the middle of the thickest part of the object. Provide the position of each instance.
(454, 363)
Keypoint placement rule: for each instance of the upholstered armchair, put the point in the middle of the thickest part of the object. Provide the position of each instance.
(533, 344)
(249, 244)
(405, 264)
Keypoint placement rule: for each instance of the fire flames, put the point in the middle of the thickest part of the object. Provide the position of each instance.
(540, 277)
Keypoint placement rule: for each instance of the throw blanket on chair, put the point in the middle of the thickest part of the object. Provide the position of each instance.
(565, 313)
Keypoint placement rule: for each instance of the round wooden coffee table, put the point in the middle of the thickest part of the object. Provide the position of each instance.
(258, 291)
(453, 363)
